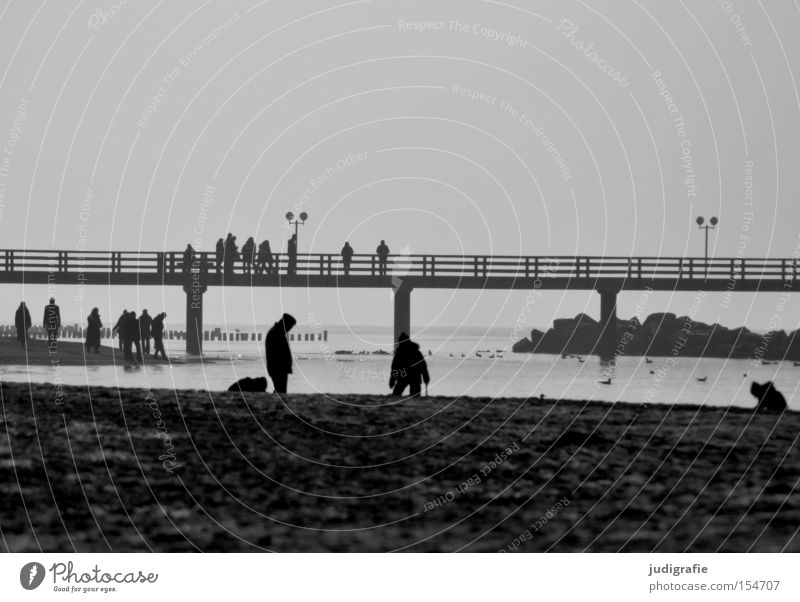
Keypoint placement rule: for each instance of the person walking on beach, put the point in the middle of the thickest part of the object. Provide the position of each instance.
(383, 257)
(219, 253)
(279, 356)
(157, 330)
(264, 260)
(93, 329)
(119, 328)
(132, 338)
(408, 367)
(22, 321)
(51, 321)
(248, 254)
(347, 257)
(291, 267)
(145, 320)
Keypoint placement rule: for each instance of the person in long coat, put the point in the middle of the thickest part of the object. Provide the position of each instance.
(22, 321)
(51, 321)
(189, 259)
(119, 328)
(93, 329)
(264, 261)
(145, 320)
(248, 254)
(408, 367)
(231, 254)
(347, 257)
(157, 330)
(383, 257)
(279, 355)
(133, 337)
(291, 252)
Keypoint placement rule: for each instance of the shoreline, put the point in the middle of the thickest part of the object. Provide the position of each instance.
(71, 353)
(181, 470)
(65, 353)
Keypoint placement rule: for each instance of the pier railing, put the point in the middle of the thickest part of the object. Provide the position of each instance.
(465, 266)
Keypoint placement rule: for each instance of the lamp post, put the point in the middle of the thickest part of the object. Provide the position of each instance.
(711, 225)
(291, 267)
(301, 221)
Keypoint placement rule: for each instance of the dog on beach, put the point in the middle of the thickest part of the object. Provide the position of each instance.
(769, 398)
(250, 385)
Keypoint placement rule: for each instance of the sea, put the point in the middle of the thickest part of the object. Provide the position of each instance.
(473, 361)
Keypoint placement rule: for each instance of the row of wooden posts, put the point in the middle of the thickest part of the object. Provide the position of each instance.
(78, 332)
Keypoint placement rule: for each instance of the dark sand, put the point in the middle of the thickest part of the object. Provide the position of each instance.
(72, 353)
(310, 474)
(65, 353)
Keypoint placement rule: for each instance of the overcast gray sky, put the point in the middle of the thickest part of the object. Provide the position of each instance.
(599, 128)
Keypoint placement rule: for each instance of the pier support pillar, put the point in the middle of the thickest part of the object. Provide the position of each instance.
(194, 290)
(608, 323)
(402, 311)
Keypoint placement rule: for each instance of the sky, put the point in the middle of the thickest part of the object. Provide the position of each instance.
(460, 126)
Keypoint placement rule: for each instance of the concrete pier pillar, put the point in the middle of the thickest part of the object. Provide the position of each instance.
(402, 311)
(608, 322)
(194, 290)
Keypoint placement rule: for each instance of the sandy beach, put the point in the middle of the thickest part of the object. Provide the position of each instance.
(65, 353)
(71, 353)
(105, 469)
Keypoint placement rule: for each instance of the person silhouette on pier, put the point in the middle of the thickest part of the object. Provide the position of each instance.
(22, 321)
(51, 321)
(145, 322)
(157, 330)
(264, 260)
(291, 266)
(188, 259)
(383, 258)
(231, 254)
(219, 254)
(279, 356)
(93, 329)
(119, 328)
(248, 254)
(408, 367)
(132, 337)
(347, 257)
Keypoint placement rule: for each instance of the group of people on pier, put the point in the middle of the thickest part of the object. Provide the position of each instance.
(254, 259)
(259, 259)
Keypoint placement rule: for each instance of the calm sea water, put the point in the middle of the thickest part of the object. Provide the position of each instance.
(455, 370)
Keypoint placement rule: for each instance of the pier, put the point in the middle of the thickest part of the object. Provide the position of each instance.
(609, 276)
